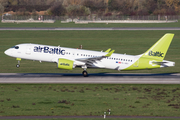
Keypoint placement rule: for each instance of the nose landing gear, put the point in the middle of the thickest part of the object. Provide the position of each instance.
(18, 65)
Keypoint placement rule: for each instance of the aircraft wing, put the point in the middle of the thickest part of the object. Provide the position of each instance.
(93, 59)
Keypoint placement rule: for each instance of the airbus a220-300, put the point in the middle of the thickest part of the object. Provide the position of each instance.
(69, 58)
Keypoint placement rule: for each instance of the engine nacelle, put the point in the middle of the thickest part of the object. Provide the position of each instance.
(65, 64)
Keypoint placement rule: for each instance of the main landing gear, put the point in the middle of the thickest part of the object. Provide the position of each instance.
(85, 73)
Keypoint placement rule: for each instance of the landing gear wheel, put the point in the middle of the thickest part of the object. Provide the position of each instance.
(17, 65)
(85, 74)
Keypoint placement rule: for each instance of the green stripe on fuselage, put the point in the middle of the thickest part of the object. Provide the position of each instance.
(144, 63)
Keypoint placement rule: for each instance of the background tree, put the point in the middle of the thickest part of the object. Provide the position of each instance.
(1, 8)
(96, 6)
(22, 11)
(72, 2)
(173, 4)
(151, 6)
(100, 7)
(57, 9)
(77, 10)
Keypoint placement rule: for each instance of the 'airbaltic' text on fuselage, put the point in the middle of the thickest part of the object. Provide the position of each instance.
(64, 64)
(49, 50)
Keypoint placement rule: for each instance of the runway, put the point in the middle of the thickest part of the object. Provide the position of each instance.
(130, 28)
(96, 78)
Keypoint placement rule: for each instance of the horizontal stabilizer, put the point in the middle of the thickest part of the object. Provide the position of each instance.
(165, 63)
(159, 63)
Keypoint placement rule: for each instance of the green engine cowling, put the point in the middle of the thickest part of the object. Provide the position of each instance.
(65, 64)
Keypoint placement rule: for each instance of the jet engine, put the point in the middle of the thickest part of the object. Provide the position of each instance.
(65, 64)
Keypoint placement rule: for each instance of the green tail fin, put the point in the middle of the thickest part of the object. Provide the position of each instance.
(159, 49)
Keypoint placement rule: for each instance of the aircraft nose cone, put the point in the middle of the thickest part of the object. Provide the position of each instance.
(7, 52)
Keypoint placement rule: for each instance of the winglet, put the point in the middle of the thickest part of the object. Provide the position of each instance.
(108, 50)
(110, 53)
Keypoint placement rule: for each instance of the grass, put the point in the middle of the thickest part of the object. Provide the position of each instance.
(93, 100)
(98, 25)
(129, 42)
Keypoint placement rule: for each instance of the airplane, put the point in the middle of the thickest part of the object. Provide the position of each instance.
(69, 58)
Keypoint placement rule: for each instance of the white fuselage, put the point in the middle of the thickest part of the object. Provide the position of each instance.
(53, 53)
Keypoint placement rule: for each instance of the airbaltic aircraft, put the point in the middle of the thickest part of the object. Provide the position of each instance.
(68, 58)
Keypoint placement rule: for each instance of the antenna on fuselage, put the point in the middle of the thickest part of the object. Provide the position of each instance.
(80, 46)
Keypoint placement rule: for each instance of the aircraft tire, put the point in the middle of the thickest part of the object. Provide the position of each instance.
(17, 65)
(85, 73)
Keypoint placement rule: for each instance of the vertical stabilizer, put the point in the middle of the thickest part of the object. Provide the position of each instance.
(159, 49)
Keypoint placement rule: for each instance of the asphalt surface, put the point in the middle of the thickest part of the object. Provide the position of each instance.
(96, 78)
(131, 28)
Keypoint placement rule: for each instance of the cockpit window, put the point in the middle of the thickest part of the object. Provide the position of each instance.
(16, 47)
